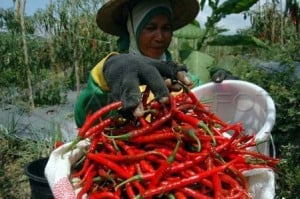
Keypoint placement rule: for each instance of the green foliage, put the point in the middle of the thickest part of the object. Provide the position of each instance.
(220, 11)
(15, 154)
(50, 90)
(11, 23)
(191, 39)
(190, 31)
(234, 6)
(232, 40)
(74, 37)
(201, 60)
(70, 38)
(289, 172)
(12, 61)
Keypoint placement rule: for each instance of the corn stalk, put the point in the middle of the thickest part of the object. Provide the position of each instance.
(281, 25)
(50, 40)
(20, 13)
(76, 43)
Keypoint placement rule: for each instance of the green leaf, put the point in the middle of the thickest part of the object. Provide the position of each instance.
(190, 31)
(235, 6)
(185, 45)
(202, 3)
(198, 63)
(234, 40)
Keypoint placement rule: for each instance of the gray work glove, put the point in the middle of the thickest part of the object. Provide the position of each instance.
(124, 73)
(219, 74)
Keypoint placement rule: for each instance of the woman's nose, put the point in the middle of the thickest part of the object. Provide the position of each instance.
(159, 35)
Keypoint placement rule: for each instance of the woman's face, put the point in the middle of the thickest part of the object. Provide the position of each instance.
(156, 36)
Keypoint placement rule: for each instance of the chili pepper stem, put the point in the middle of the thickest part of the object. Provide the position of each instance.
(191, 133)
(71, 146)
(133, 178)
(205, 127)
(171, 158)
(125, 136)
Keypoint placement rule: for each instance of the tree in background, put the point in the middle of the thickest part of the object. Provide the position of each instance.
(292, 8)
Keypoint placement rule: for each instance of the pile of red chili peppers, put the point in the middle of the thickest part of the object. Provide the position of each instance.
(181, 150)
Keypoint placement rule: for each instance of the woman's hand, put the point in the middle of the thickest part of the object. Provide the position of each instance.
(58, 169)
(124, 73)
(218, 75)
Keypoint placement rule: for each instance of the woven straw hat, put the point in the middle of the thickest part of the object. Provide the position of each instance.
(112, 16)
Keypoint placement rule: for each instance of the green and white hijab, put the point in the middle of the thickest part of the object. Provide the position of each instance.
(138, 18)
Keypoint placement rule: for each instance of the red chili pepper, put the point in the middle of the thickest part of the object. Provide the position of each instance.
(127, 158)
(229, 142)
(192, 133)
(168, 152)
(97, 115)
(203, 181)
(87, 185)
(86, 175)
(98, 128)
(103, 195)
(235, 193)
(229, 181)
(83, 170)
(268, 160)
(129, 191)
(239, 177)
(197, 102)
(120, 172)
(109, 147)
(146, 166)
(58, 144)
(195, 122)
(139, 187)
(217, 186)
(96, 139)
(151, 127)
(156, 124)
(143, 122)
(139, 162)
(138, 177)
(180, 195)
(188, 163)
(106, 175)
(194, 193)
(153, 137)
(163, 167)
(184, 182)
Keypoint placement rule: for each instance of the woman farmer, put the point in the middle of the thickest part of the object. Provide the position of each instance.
(145, 29)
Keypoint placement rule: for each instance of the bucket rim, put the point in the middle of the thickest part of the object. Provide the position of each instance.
(34, 177)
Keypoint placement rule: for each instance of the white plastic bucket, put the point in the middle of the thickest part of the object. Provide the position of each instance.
(240, 101)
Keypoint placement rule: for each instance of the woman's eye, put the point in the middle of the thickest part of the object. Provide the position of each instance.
(167, 28)
(150, 28)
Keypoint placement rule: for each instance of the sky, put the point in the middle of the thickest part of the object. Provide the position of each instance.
(233, 22)
(31, 5)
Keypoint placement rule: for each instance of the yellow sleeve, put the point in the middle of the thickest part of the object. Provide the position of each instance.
(97, 73)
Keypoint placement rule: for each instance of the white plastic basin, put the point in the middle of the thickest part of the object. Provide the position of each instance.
(240, 101)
